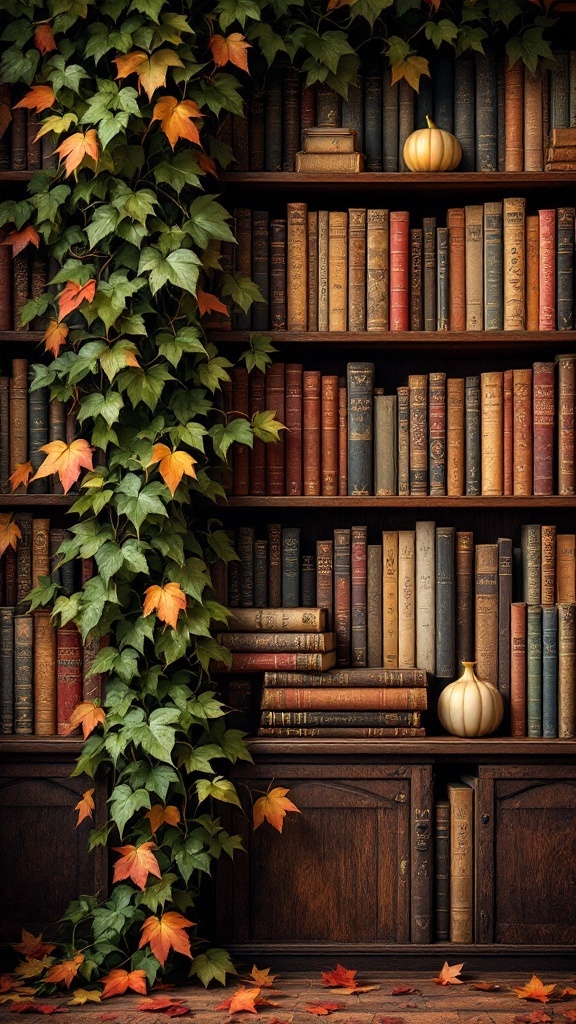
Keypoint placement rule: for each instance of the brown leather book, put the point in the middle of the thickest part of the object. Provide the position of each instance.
(325, 578)
(257, 403)
(356, 270)
(566, 670)
(533, 129)
(508, 442)
(486, 612)
(23, 560)
(518, 669)
(532, 272)
(44, 674)
(329, 435)
(353, 698)
(464, 558)
(385, 442)
(275, 400)
(277, 643)
(21, 287)
(346, 677)
(323, 231)
(562, 165)
(240, 452)
(416, 288)
(403, 440)
(40, 549)
(6, 315)
(437, 433)
(349, 732)
(374, 604)
(544, 424)
(390, 598)
(418, 405)
(491, 440)
(311, 441)
(514, 214)
(474, 225)
(548, 565)
(312, 270)
(342, 582)
(18, 414)
(297, 267)
(457, 260)
(337, 270)
(278, 620)
(522, 446)
(336, 163)
(257, 132)
(68, 673)
(461, 799)
(455, 480)
(406, 599)
(342, 438)
(547, 270)
(293, 434)
(514, 115)
(307, 109)
(566, 408)
(241, 145)
(278, 275)
(270, 661)
(399, 270)
(377, 269)
(565, 568)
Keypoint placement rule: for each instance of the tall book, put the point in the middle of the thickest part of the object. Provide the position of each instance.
(534, 670)
(360, 384)
(312, 270)
(377, 270)
(403, 398)
(18, 413)
(275, 565)
(278, 275)
(311, 440)
(461, 799)
(416, 280)
(325, 579)
(245, 546)
(6, 670)
(442, 281)
(342, 437)
(241, 452)
(390, 598)
(374, 605)
(504, 603)
(472, 428)
(492, 424)
(518, 669)
(486, 617)
(565, 568)
(323, 233)
(532, 562)
(38, 434)
(549, 672)
(399, 265)
(406, 599)
(464, 575)
(373, 117)
(565, 269)
(44, 688)
(429, 272)
(547, 270)
(455, 446)
(445, 602)
(437, 433)
(442, 871)
(474, 226)
(329, 435)
(390, 123)
(522, 432)
(243, 257)
(486, 111)
(493, 282)
(23, 560)
(514, 219)
(464, 115)
(544, 427)
(532, 272)
(357, 266)
(358, 607)
(342, 596)
(261, 597)
(290, 566)
(548, 565)
(457, 259)
(259, 272)
(566, 670)
(418, 406)
(405, 118)
(337, 271)
(385, 442)
(275, 400)
(293, 422)
(257, 403)
(566, 419)
(297, 267)
(425, 573)
(23, 674)
(514, 115)
(508, 432)
(533, 125)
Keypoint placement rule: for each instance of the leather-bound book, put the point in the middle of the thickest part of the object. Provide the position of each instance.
(474, 216)
(486, 612)
(261, 599)
(10, 577)
(549, 672)
(461, 798)
(442, 280)
(340, 719)
(18, 154)
(373, 117)
(403, 395)
(566, 404)
(429, 272)
(385, 442)
(565, 568)
(329, 435)
(492, 423)
(351, 677)
(357, 269)
(504, 603)
(559, 90)
(307, 107)
(293, 421)
(278, 275)
(38, 286)
(522, 440)
(486, 112)
(416, 282)
(418, 398)
(241, 319)
(342, 437)
(260, 262)
(308, 583)
(460, 454)
(23, 560)
(240, 452)
(390, 123)
(443, 74)
(493, 284)
(501, 111)
(464, 575)
(547, 270)
(548, 565)
(6, 314)
(257, 121)
(246, 556)
(399, 270)
(233, 585)
(531, 562)
(442, 861)
(437, 433)
(544, 427)
(534, 670)
(572, 88)
(327, 105)
(323, 232)
(532, 272)
(514, 214)
(311, 440)
(44, 689)
(275, 401)
(406, 599)
(360, 386)
(325, 579)
(518, 669)
(312, 163)
(40, 549)
(312, 270)
(241, 137)
(424, 102)
(352, 111)
(374, 605)
(457, 259)
(6, 670)
(4, 432)
(565, 269)
(514, 115)
(390, 598)
(566, 670)
(377, 269)
(319, 698)
(425, 573)
(290, 117)
(290, 566)
(18, 413)
(297, 267)
(274, 565)
(358, 581)
(257, 459)
(21, 288)
(346, 731)
(445, 602)
(342, 582)
(337, 271)
(278, 620)
(405, 118)
(533, 131)
(23, 674)
(508, 452)
(68, 673)
(464, 119)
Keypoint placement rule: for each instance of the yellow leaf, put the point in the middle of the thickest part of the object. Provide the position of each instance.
(273, 806)
(57, 124)
(84, 995)
(65, 460)
(151, 70)
(173, 465)
(411, 68)
(32, 968)
(232, 48)
(535, 989)
(175, 120)
(76, 147)
(166, 601)
(9, 532)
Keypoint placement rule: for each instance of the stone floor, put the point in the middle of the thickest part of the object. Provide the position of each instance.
(293, 994)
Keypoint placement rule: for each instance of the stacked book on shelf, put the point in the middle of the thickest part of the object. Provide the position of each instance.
(501, 432)
(329, 149)
(561, 151)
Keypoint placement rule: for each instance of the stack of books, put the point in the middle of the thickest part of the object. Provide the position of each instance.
(292, 639)
(329, 149)
(561, 152)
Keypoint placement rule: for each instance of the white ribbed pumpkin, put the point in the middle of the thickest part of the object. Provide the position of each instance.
(432, 149)
(470, 706)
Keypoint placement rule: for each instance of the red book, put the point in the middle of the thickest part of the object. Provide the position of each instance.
(240, 452)
(272, 661)
(457, 261)
(311, 436)
(544, 417)
(275, 399)
(257, 389)
(294, 428)
(358, 574)
(329, 438)
(508, 432)
(68, 673)
(518, 669)
(342, 439)
(547, 271)
(399, 270)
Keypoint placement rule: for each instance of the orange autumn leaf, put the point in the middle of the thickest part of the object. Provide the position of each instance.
(136, 863)
(339, 978)
(151, 69)
(20, 239)
(88, 715)
(566, 993)
(9, 532)
(323, 1009)
(175, 119)
(159, 815)
(117, 981)
(449, 975)
(273, 806)
(232, 48)
(33, 947)
(66, 460)
(535, 989)
(243, 1001)
(207, 164)
(38, 98)
(55, 337)
(173, 465)
(73, 295)
(44, 38)
(166, 933)
(168, 1005)
(166, 601)
(64, 973)
(85, 806)
(403, 990)
(21, 475)
(485, 986)
(208, 302)
(73, 150)
(263, 978)
(536, 1017)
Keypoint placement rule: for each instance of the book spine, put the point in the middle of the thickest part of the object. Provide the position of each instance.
(548, 565)
(464, 120)
(437, 433)
(261, 573)
(533, 127)
(464, 573)
(290, 117)
(531, 563)
(68, 674)
(442, 866)
(290, 566)
(44, 674)
(259, 273)
(457, 261)
(6, 670)
(18, 155)
(416, 289)
(514, 115)
(518, 669)
(522, 432)
(275, 565)
(390, 123)
(406, 599)
(323, 232)
(549, 672)
(327, 106)
(443, 281)
(532, 272)
(514, 218)
(566, 670)
(508, 433)
(275, 401)
(246, 556)
(544, 427)
(559, 94)
(474, 216)
(308, 581)
(425, 574)
(361, 677)
(23, 674)
(373, 118)
(342, 437)
(445, 602)
(312, 270)
(325, 579)
(356, 270)
(18, 413)
(504, 604)
(343, 699)
(399, 270)
(472, 424)
(492, 424)
(566, 406)
(311, 418)
(405, 118)
(374, 604)
(241, 139)
(358, 610)
(390, 598)
(385, 443)
(346, 732)
(6, 314)
(342, 608)
(352, 111)
(278, 275)
(565, 568)
(360, 385)
(278, 620)
(240, 452)
(461, 863)
(307, 107)
(337, 271)
(418, 404)
(23, 560)
(486, 612)
(572, 88)
(317, 719)
(329, 435)
(257, 403)
(547, 270)
(37, 434)
(493, 282)
(377, 269)
(534, 670)
(501, 111)
(40, 549)
(429, 272)
(486, 112)
(293, 419)
(4, 430)
(565, 269)
(297, 267)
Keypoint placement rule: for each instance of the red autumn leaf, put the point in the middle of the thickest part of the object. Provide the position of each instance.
(85, 806)
(39, 98)
(55, 337)
(73, 150)
(535, 989)
(323, 1009)
(86, 714)
(117, 981)
(207, 164)
(159, 815)
(176, 119)
(485, 986)
(73, 295)
(20, 239)
(64, 973)
(21, 475)
(208, 302)
(166, 933)
(164, 1004)
(537, 1017)
(66, 460)
(136, 863)
(33, 947)
(173, 465)
(44, 38)
(166, 601)
(273, 806)
(43, 1008)
(339, 978)
(9, 532)
(570, 1015)
(449, 975)
(232, 48)
(403, 990)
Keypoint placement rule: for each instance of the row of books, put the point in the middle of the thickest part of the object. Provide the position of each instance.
(36, 556)
(428, 597)
(501, 115)
(22, 277)
(20, 150)
(491, 267)
(505, 432)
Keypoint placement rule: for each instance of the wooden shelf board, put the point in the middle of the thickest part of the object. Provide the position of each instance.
(424, 746)
(436, 340)
(16, 175)
(413, 501)
(13, 337)
(378, 181)
(40, 745)
(37, 500)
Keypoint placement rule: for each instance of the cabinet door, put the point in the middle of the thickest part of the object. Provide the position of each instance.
(44, 862)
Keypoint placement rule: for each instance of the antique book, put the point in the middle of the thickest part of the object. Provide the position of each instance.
(293, 422)
(416, 280)
(464, 120)
(337, 271)
(357, 268)
(486, 612)
(547, 271)
(403, 400)
(549, 672)
(314, 163)
(534, 670)
(23, 560)
(329, 139)
(532, 272)
(358, 580)
(464, 603)
(406, 599)
(461, 799)
(565, 269)
(518, 669)
(493, 253)
(514, 214)
(405, 118)
(323, 231)
(297, 267)
(342, 437)
(302, 698)
(275, 400)
(6, 670)
(18, 413)
(374, 604)
(442, 281)
(342, 584)
(429, 272)
(548, 565)
(418, 406)
(531, 562)
(291, 566)
(445, 602)
(4, 431)
(257, 403)
(443, 72)
(437, 433)
(533, 126)
(425, 575)
(312, 270)
(544, 426)
(267, 661)
(457, 259)
(566, 404)
(486, 111)
(566, 670)
(241, 143)
(308, 581)
(508, 433)
(259, 272)
(40, 549)
(38, 434)
(455, 435)
(522, 432)
(399, 270)
(342, 718)
(325, 578)
(257, 119)
(311, 441)
(342, 732)
(442, 868)
(504, 603)
(514, 115)
(377, 270)
(390, 123)
(290, 117)
(261, 598)
(491, 405)
(68, 674)
(360, 384)
(278, 620)
(390, 598)
(245, 545)
(472, 428)
(346, 677)
(373, 117)
(352, 113)
(385, 442)
(474, 241)
(23, 674)
(44, 689)
(559, 94)
(329, 435)
(565, 568)
(275, 570)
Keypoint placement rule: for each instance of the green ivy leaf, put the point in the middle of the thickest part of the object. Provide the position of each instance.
(212, 965)
(218, 788)
(179, 268)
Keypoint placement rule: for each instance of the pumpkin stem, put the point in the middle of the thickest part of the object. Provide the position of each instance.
(430, 122)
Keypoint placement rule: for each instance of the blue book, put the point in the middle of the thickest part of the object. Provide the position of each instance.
(549, 671)
(534, 670)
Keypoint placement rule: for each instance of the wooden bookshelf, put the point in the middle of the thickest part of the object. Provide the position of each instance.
(40, 745)
(380, 182)
(513, 747)
(411, 501)
(37, 500)
(475, 342)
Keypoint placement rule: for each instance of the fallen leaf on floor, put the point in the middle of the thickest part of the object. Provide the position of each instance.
(263, 978)
(449, 975)
(243, 1001)
(403, 990)
(84, 995)
(341, 977)
(535, 989)
(570, 1015)
(323, 1009)
(566, 993)
(485, 986)
(44, 1008)
(537, 1017)
(391, 1020)
(165, 1004)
